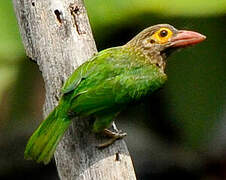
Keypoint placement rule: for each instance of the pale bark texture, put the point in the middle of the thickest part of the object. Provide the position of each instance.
(57, 36)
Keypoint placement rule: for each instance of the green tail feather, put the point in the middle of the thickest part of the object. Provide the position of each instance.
(42, 144)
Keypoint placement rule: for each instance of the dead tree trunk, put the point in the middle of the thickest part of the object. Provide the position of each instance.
(57, 35)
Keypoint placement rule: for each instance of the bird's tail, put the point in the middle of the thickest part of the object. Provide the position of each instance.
(42, 144)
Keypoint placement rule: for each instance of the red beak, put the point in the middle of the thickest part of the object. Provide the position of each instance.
(186, 38)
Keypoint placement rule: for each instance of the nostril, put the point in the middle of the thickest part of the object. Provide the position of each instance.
(152, 41)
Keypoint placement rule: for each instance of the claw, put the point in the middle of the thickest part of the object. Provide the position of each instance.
(113, 135)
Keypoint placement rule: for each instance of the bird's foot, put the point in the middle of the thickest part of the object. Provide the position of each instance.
(113, 135)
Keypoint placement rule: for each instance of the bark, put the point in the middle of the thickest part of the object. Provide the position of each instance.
(57, 36)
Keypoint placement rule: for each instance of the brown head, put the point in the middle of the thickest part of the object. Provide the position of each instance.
(158, 41)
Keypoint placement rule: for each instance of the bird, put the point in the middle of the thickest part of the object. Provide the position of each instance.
(106, 83)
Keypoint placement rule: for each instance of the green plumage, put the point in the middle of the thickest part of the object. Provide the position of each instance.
(44, 140)
(100, 87)
(106, 83)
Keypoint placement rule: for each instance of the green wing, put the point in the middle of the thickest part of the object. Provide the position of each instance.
(110, 80)
(93, 65)
(75, 79)
(115, 92)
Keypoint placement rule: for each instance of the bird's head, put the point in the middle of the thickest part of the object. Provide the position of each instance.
(160, 40)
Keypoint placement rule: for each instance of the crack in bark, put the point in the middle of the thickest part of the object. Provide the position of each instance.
(74, 9)
(58, 15)
(117, 157)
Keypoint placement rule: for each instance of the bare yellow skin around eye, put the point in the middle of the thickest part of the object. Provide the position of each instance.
(161, 40)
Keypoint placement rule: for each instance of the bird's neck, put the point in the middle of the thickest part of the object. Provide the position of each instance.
(150, 55)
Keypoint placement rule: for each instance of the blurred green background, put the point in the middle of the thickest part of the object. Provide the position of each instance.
(178, 132)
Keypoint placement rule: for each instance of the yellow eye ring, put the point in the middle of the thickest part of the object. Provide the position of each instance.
(162, 35)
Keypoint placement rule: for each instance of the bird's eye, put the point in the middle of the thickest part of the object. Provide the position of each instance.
(163, 33)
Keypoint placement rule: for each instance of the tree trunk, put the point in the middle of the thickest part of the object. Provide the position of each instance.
(57, 36)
